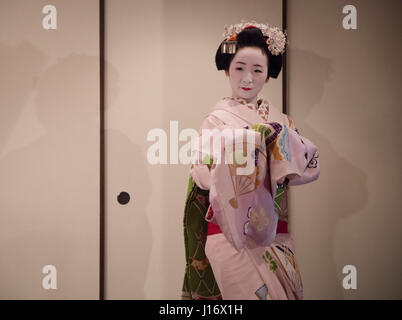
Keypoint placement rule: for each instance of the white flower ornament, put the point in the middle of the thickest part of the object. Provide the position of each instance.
(276, 39)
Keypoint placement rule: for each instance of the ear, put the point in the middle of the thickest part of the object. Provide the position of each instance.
(267, 80)
(227, 72)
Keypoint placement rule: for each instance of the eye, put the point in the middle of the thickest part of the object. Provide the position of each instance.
(239, 68)
(258, 71)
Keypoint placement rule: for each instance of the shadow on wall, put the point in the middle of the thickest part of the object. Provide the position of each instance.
(40, 174)
(342, 187)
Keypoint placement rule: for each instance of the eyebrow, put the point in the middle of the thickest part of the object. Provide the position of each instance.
(256, 65)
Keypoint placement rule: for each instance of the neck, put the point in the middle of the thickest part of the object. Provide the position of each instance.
(252, 101)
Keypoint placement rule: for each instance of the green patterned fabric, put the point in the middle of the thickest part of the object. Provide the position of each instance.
(281, 202)
(199, 281)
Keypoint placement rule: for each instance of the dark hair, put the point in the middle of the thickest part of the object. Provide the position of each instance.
(250, 37)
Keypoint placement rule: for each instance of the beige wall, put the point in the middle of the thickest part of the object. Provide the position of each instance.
(344, 94)
(164, 56)
(49, 150)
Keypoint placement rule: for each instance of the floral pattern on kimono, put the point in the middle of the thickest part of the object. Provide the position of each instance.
(291, 160)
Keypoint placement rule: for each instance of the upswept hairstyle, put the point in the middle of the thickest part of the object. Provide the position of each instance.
(250, 37)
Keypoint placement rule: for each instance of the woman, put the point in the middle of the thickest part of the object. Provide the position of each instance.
(235, 222)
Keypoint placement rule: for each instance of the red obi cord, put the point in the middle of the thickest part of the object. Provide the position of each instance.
(214, 228)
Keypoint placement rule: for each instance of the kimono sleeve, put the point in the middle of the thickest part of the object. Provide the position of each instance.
(293, 158)
(199, 171)
(242, 205)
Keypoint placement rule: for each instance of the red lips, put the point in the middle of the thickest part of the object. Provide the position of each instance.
(246, 89)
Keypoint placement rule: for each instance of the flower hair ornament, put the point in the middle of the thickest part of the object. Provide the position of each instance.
(276, 39)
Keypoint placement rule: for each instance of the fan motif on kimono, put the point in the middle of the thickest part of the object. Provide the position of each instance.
(242, 184)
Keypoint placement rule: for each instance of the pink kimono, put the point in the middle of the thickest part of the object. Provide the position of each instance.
(250, 260)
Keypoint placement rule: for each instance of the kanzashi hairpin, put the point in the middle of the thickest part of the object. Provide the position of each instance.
(275, 38)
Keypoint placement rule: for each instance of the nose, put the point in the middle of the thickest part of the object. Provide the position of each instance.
(248, 77)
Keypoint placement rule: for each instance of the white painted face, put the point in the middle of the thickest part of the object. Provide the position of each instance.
(248, 73)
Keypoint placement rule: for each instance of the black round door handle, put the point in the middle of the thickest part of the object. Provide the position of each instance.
(123, 197)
